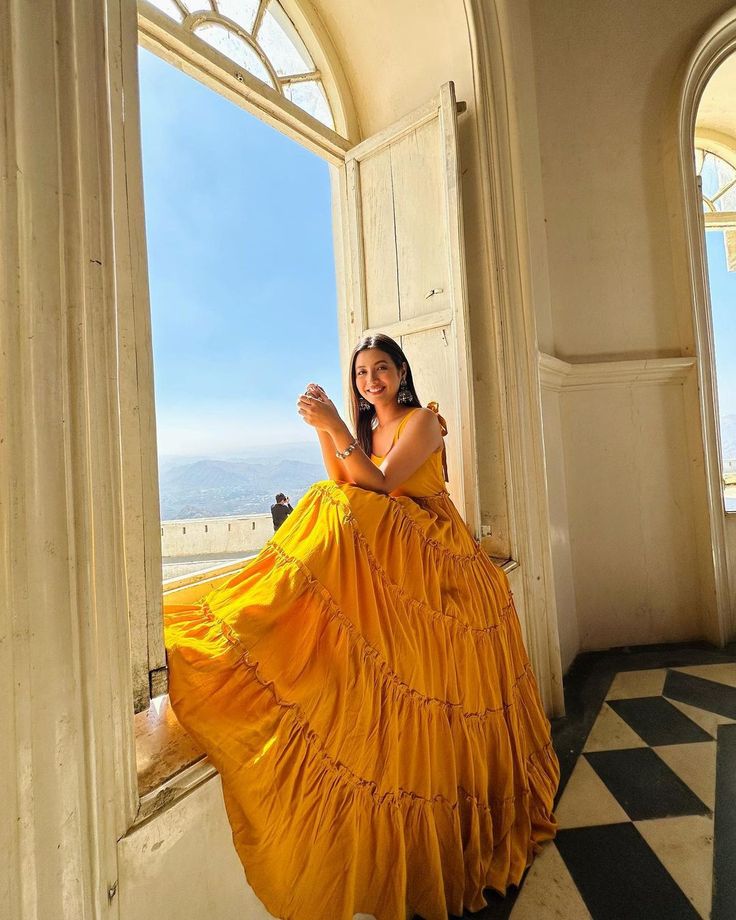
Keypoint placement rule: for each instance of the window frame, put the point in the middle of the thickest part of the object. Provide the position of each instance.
(219, 73)
(224, 76)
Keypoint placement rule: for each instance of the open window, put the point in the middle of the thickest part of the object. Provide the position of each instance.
(399, 247)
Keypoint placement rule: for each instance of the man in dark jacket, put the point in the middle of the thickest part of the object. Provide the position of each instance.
(280, 511)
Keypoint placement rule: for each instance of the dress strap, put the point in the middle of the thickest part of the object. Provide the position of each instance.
(435, 407)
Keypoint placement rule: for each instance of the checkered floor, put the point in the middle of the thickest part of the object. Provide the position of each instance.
(648, 816)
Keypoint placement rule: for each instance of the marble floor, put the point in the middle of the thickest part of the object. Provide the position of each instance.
(647, 804)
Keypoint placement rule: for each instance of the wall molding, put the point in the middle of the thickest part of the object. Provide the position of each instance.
(558, 375)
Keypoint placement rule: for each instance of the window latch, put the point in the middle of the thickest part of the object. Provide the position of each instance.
(432, 293)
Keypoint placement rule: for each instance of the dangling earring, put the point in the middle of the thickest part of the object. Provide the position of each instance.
(405, 397)
(363, 404)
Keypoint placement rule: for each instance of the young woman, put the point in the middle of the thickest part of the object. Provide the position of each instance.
(362, 685)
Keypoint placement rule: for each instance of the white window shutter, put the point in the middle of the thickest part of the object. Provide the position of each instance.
(407, 269)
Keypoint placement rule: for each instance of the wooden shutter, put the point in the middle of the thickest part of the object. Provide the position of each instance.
(407, 268)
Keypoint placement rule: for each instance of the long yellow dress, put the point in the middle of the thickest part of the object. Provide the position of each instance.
(363, 689)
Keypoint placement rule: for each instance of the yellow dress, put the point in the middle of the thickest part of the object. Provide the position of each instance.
(363, 689)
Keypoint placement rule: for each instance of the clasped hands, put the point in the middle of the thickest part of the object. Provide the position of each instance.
(317, 409)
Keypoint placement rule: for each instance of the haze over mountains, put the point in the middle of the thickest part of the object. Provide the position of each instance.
(196, 487)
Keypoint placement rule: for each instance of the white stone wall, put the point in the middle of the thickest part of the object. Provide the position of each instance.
(203, 536)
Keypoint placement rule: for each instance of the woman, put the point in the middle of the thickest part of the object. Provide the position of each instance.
(362, 685)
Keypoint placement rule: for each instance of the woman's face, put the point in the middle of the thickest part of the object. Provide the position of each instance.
(377, 377)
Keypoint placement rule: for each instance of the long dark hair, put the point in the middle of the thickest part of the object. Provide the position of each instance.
(363, 421)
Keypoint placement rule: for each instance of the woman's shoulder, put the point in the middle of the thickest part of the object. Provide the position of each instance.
(419, 416)
(424, 415)
(422, 420)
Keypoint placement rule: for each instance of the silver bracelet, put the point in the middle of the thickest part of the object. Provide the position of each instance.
(343, 454)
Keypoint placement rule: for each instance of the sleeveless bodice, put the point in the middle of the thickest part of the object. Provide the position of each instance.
(428, 479)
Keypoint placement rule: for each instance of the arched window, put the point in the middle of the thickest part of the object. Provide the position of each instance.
(258, 36)
(403, 184)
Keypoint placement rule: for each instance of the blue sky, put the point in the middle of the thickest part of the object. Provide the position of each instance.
(241, 270)
(723, 300)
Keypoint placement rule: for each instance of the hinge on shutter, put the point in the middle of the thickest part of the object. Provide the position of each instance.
(158, 680)
(461, 106)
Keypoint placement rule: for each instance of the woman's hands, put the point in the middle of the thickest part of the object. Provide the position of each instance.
(317, 409)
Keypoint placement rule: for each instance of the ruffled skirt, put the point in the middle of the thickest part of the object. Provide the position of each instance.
(363, 689)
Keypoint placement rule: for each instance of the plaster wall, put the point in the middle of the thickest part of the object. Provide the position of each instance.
(717, 108)
(606, 77)
(183, 865)
(559, 529)
(215, 535)
(630, 515)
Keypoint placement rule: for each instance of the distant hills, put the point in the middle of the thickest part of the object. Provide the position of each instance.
(206, 487)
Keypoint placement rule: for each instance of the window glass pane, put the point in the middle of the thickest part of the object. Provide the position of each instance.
(716, 174)
(310, 96)
(168, 7)
(234, 47)
(281, 44)
(241, 11)
(718, 179)
(709, 175)
(724, 171)
(727, 201)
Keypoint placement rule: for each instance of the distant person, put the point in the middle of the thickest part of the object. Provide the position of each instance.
(280, 511)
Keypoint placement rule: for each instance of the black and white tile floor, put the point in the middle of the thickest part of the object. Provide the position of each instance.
(647, 811)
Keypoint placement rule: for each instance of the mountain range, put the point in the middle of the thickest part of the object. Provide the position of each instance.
(197, 487)
(206, 487)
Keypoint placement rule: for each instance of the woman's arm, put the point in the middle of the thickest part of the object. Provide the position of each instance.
(420, 438)
(335, 468)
